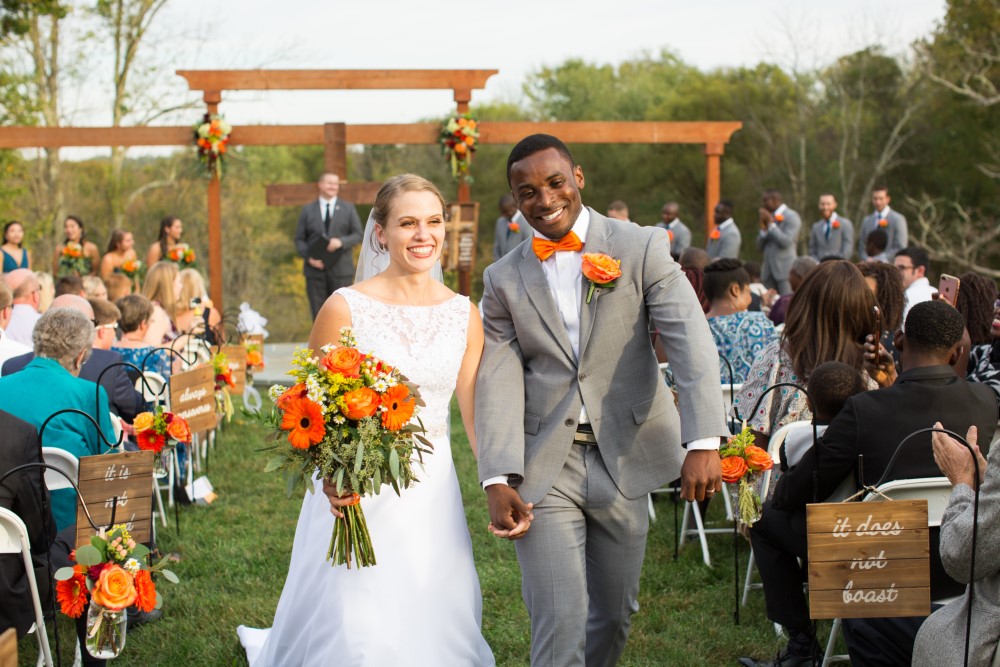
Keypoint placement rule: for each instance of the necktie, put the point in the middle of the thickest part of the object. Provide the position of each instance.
(828, 223)
(545, 247)
(326, 219)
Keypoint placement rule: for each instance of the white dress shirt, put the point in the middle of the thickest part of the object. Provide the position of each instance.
(323, 203)
(22, 323)
(10, 348)
(919, 290)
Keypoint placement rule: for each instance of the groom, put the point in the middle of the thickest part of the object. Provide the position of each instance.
(600, 430)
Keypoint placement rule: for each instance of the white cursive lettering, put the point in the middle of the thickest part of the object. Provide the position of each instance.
(869, 596)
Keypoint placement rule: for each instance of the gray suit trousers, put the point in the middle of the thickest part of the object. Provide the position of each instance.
(606, 534)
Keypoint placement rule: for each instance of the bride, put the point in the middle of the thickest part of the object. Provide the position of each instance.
(421, 604)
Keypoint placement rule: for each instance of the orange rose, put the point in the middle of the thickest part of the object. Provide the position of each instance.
(255, 358)
(360, 403)
(733, 469)
(145, 591)
(779, 218)
(758, 459)
(343, 360)
(883, 223)
(715, 235)
(470, 140)
(471, 124)
(179, 430)
(143, 421)
(114, 589)
(600, 268)
(298, 391)
(460, 148)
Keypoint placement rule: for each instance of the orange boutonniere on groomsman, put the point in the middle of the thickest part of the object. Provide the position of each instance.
(513, 227)
(778, 217)
(715, 234)
(835, 223)
(601, 270)
(883, 223)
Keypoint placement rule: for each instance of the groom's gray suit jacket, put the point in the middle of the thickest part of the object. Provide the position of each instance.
(528, 367)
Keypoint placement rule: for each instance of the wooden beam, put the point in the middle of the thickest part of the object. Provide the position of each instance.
(335, 149)
(336, 79)
(300, 194)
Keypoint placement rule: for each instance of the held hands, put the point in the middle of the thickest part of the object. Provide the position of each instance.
(336, 500)
(701, 474)
(953, 458)
(766, 218)
(315, 263)
(334, 244)
(878, 362)
(510, 517)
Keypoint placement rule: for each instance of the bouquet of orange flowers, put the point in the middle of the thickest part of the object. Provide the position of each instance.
(744, 463)
(156, 431)
(211, 137)
(182, 254)
(72, 260)
(113, 570)
(348, 420)
(223, 383)
(131, 268)
(459, 137)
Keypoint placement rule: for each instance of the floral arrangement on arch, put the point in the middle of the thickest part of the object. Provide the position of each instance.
(348, 419)
(211, 137)
(744, 464)
(111, 571)
(459, 139)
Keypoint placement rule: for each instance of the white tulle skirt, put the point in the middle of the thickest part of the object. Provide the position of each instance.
(420, 605)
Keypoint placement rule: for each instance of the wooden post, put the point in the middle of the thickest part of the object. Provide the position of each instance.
(713, 175)
(462, 98)
(335, 149)
(212, 99)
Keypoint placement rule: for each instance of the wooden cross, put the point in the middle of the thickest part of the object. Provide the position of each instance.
(334, 161)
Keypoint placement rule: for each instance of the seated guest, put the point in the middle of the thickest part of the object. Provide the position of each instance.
(618, 210)
(977, 296)
(8, 348)
(136, 310)
(48, 287)
(26, 296)
(739, 335)
(875, 245)
(984, 360)
(125, 401)
(49, 383)
(885, 282)
(941, 639)
(872, 424)
(194, 311)
(118, 285)
(163, 288)
(70, 284)
(94, 288)
(801, 268)
(758, 302)
(694, 258)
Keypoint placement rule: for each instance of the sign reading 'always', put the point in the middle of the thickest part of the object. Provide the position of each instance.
(192, 396)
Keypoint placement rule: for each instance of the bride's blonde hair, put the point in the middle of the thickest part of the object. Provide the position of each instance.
(396, 186)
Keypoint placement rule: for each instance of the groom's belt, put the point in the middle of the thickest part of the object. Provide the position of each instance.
(585, 435)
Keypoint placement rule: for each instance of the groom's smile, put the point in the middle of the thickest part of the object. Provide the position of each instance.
(547, 189)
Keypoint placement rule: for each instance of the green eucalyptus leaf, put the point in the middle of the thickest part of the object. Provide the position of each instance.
(64, 573)
(340, 482)
(359, 457)
(140, 552)
(159, 600)
(170, 576)
(88, 556)
(275, 463)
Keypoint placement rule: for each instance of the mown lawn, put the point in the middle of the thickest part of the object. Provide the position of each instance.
(235, 553)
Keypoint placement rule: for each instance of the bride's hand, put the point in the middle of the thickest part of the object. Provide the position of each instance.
(337, 500)
(510, 517)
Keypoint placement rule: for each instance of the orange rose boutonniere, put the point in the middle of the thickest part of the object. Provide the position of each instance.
(601, 270)
(715, 234)
(670, 235)
(513, 227)
(778, 217)
(883, 223)
(835, 223)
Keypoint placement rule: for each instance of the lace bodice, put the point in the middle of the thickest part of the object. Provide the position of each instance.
(426, 343)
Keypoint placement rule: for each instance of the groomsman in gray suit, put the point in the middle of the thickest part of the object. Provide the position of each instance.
(328, 228)
(725, 240)
(510, 230)
(574, 424)
(680, 235)
(884, 218)
(833, 235)
(779, 232)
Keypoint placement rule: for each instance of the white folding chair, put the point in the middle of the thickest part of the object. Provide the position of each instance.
(936, 491)
(14, 540)
(63, 460)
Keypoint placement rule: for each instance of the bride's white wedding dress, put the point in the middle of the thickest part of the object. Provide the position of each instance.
(421, 604)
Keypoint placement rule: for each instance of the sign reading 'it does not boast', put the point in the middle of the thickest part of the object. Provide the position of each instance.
(868, 560)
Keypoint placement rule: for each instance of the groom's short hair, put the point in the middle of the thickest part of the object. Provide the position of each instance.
(536, 143)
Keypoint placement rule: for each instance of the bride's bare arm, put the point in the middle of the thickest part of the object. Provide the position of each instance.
(465, 389)
(332, 317)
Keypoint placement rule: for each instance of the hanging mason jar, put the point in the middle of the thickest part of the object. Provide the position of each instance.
(105, 631)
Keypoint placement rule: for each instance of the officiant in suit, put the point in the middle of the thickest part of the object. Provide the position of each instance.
(328, 228)
(574, 424)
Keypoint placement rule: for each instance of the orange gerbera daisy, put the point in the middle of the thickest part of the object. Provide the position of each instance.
(72, 594)
(151, 440)
(145, 590)
(303, 420)
(398, 407)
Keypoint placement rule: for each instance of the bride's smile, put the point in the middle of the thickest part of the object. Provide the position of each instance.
(414, 231)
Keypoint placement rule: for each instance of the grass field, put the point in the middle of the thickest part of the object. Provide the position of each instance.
(235, 553)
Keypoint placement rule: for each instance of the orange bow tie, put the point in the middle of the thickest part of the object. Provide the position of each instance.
(545, 247)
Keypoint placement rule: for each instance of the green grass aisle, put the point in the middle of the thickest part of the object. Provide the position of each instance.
(235, 553)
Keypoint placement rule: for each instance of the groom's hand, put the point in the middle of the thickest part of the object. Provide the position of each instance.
(510, 517)
(701, 474)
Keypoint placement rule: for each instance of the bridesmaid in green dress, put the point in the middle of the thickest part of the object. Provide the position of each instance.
(15, 256)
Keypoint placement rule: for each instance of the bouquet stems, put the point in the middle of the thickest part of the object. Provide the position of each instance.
(350, 539)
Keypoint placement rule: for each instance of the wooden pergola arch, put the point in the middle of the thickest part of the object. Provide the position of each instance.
(712, 135)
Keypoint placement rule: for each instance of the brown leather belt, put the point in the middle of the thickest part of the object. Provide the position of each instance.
(584, 435)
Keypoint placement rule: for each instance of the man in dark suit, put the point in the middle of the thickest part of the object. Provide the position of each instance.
(328, 228)
(873, 424)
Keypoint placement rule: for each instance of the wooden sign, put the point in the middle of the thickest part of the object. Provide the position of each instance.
(236, 355)
(460, 240)
(868, 560)
(192, 396)
(258, 340)
(129, 477)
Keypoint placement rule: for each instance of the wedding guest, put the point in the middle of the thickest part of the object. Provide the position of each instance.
(194, 311)
(833, 235)
(15, 255)
(118, 285)
(694, 258)
(801, 267)
(875, 246)
(121, 249)
(133, 325)
(984, 360)
(779, 234)
(511, 228)
(171, 230)
(8, 347)
(94, 288)
(618, 210)
(827, 321)
(680, 234)
(75, 255)
(941, 639)
(48, 290)
(976, 298)
(49, 383)
(328, 226)
(886, 219)
(163, 288)
(725, 239)
(26, 294)
(761, 298)
(70, 284)
(739, 335)
(913, 263)
(886, 284)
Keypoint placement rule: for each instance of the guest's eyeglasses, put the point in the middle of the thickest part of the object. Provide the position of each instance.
(110, 325)
(905, 268)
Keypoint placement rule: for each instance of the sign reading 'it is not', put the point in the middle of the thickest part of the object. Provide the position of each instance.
(869, 559)
(117, 488)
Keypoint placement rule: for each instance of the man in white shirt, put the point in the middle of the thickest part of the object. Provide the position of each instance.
(8, 348)
(912, 263)
(725, 240)
(27, 295)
